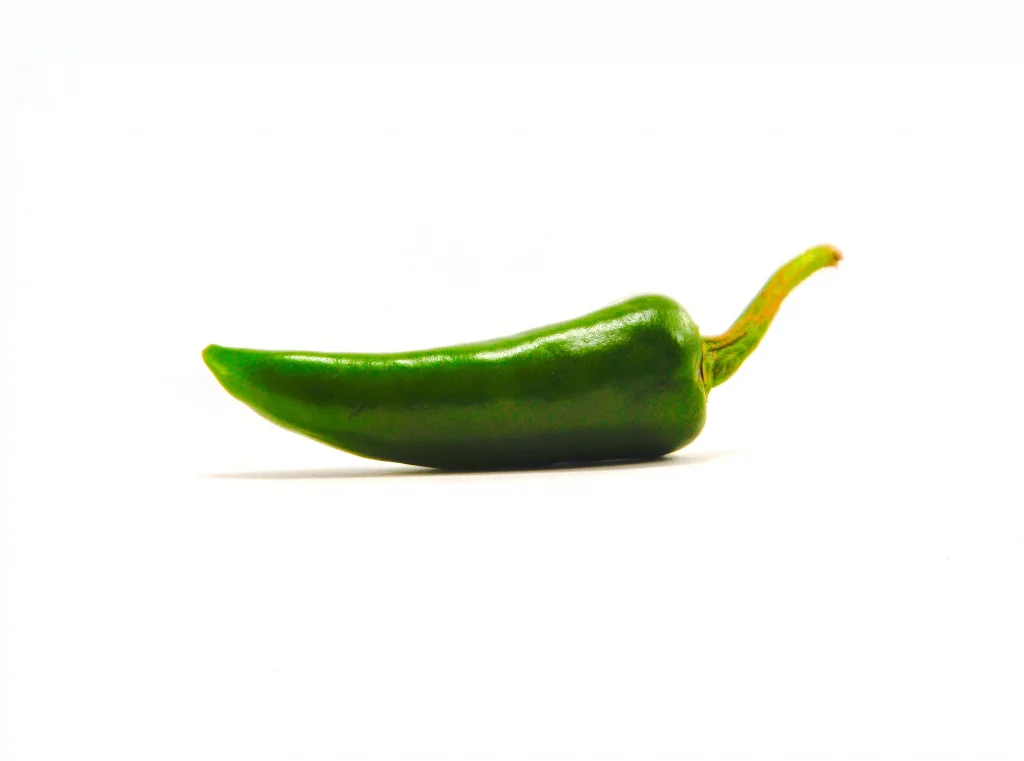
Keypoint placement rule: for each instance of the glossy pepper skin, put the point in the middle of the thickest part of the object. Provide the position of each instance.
(629, 381)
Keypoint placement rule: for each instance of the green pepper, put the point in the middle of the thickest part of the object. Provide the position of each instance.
(629, 381)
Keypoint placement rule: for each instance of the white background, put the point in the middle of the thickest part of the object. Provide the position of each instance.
(832, 570)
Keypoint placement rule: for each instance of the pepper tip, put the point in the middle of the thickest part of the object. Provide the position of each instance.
(211, 356)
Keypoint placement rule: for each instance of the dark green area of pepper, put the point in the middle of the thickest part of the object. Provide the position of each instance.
(626, 382)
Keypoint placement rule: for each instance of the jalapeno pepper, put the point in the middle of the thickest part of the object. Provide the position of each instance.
(629, 381)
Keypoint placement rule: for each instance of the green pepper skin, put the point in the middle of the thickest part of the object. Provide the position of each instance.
(622, 382)
(629, 381)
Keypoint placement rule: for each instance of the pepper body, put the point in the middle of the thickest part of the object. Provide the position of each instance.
(622, 382)
(629, 381)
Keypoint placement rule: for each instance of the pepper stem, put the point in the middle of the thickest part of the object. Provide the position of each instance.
(723, 354)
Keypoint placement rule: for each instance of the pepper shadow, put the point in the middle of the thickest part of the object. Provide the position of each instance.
(412, 471)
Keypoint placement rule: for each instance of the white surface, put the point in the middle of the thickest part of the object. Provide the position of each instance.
(833, 570)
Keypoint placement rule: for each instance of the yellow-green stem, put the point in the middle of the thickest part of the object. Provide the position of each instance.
(723, 354)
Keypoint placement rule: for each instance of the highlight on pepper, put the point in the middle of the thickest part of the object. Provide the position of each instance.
(629, 381)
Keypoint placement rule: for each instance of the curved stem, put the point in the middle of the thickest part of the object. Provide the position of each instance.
(723, 354)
